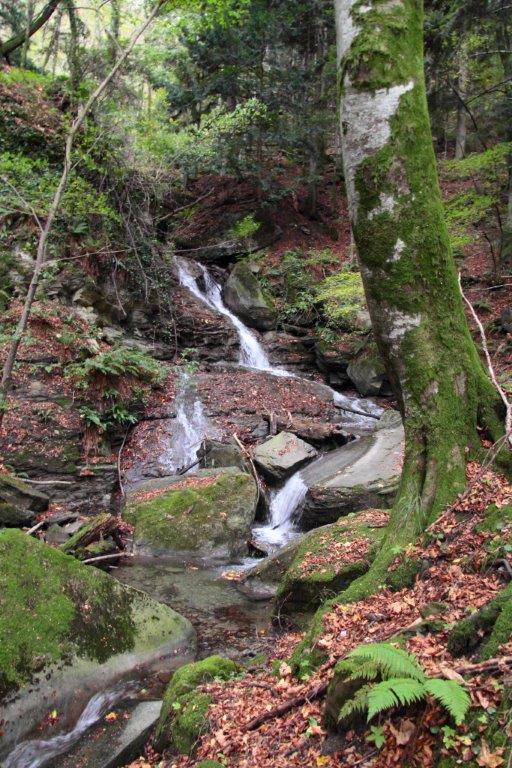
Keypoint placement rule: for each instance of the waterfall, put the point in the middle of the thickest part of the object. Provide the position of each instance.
(39, 752)
(252, 353)
(284, 504)
(189, 427)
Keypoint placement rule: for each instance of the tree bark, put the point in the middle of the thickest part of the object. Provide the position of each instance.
(17, 40)
(462, 85)
(83, 111)
(73, 48)
(406, 264)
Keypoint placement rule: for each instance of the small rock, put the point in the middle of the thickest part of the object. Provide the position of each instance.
(506, 320)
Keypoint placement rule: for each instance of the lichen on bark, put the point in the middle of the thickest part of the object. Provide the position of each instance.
(408, 270)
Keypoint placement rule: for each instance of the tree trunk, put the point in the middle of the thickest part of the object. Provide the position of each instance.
(406, 264)
(26, 44)
(18, 40)
(73, 48)
(462, 85)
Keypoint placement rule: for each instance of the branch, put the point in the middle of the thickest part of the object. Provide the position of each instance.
(18, 40)
(492, 373)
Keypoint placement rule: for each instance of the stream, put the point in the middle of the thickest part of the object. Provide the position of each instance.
(227, 622)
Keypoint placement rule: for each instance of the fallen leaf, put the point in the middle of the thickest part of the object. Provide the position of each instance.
(403, 734)
(488, 759)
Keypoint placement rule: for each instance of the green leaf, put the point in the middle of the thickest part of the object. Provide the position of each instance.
(392, 693)
(454, 698)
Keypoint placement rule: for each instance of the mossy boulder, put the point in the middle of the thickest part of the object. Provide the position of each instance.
(183, 714)
(209, 513)
(327, 561)
(244, 296)
(19, 502)
(65, 628)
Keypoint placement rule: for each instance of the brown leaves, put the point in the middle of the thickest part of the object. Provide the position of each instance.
(488, 759)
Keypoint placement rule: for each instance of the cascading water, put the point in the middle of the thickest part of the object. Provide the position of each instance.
(252, 353)
(283, 506)
(190, 427)
(39, 752)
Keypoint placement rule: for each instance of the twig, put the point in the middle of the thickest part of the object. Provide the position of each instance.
(184, 207)
(119, 475)
(251, 462)
(282, 709)
(485, 666)
(35, 527)
(492, 373)
(48, 482)
(106, 557)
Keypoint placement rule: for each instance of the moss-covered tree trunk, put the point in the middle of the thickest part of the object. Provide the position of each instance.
(406, 263)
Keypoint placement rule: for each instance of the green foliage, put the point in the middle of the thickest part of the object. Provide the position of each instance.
(342, 297)
(117, 363)
(246, 227)
(395, 678)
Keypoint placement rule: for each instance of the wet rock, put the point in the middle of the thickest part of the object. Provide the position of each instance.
(360, 475)
(326, 561)
(129, 744)
(289, 351)
(244, 296)
(214, 454)
(208, 514)
(12, 516)
(68, 631)
(283, 455)
(367, 372)
(22, 495)
(182, 719)
(262, 581)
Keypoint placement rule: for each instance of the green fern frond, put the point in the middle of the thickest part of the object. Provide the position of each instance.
(358, 703)
(451, 695)
(392, 662)
(392, 693)
(367, 670)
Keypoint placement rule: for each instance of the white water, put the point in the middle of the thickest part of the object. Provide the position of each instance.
(362, 413)
(252, 353)
(190, 427)
(283, 506)
(38, 752)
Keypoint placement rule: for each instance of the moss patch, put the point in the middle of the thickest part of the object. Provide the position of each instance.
(328, 560)
(200, 516)
(53, 609)
(183, 709)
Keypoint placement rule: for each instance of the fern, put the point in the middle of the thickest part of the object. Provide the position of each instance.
(401, 681)
(392, 662)
(356, 705)
(393, 693)
(451, 695)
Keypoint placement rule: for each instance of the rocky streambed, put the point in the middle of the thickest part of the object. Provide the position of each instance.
(239, 461)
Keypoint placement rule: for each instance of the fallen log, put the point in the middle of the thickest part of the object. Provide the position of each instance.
(98, 528)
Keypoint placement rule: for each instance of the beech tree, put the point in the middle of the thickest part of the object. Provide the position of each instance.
(409, 274)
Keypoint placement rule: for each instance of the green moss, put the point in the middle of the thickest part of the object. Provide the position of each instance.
(190, 721)
(318, 570)
(75, 541)
(196, 517)
(42, 620)
(176, 704)
(494, 619)
(404, 575)
(209, 764)
(495, 518)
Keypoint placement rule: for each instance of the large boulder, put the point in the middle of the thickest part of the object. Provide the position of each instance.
(183, 715)
(283, 455)
(19, 502)
(68, 631)
(243, 295)
(326, 561)
(209, 513)
(360, 475)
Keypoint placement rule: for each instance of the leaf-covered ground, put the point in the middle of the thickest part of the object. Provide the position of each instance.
(457, 576)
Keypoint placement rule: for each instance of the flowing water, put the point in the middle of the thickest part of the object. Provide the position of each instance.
(190, 427)
(252, 353)
(284, 505)
(38, 753)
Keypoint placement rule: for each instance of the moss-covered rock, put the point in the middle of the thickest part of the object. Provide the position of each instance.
(19, 497)
(244, 296)
(327, 561)
(367, 372)
(210, 513)
(182, 718)
(64, 627)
